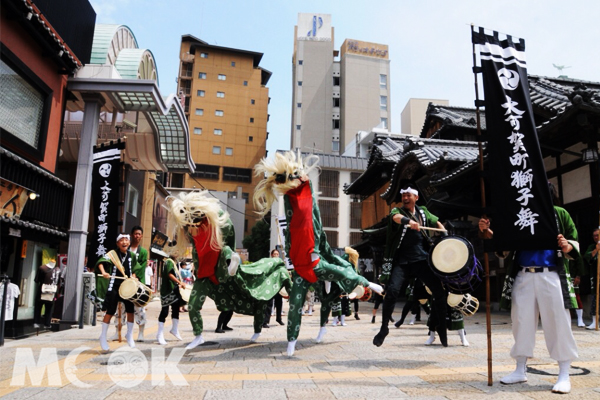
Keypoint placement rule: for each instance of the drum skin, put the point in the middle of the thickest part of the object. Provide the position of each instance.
(284, 293)
(135, 291)
(452, 260)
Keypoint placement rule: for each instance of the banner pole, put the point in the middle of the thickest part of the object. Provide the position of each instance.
(486, 261)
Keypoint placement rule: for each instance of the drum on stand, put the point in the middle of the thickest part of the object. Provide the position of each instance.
(453, 261)
(135, 291)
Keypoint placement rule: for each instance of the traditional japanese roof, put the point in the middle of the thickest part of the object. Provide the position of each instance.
(451, 118)
(330, 161)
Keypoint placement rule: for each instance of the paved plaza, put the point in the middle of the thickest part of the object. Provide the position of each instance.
(345, 366)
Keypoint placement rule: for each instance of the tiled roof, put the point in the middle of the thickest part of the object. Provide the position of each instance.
(456, 157)
(341, 162)
(455, 117)
(34, 226)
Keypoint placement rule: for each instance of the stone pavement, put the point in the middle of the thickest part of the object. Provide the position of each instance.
(345, 366)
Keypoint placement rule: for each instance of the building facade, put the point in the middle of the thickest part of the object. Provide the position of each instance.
(336, 93)
(413, 115)
(226, 101)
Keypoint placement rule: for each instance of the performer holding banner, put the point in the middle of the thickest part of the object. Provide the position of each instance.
(405, 256)
(114, 267)
(540, 237)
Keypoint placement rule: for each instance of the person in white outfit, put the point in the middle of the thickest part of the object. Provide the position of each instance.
(540, 285)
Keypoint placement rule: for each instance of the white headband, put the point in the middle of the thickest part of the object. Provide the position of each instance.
(122, 235)
(409, 190)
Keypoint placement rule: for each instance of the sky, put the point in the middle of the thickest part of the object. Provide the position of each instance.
(429, 41)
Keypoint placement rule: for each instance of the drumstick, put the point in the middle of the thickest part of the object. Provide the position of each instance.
(117, 277)
(433, 229)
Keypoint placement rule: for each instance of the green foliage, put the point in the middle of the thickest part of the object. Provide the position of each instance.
(258, 242)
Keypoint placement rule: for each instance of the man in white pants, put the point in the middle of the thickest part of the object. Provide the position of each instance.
(541, 287)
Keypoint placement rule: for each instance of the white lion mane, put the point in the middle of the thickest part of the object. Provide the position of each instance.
(182, 212)
(288, 163)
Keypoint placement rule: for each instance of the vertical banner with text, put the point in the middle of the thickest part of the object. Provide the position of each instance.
(105, 200)
(523, 216)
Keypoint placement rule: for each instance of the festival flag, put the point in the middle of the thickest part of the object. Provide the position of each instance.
(520, 203)
(105, 200)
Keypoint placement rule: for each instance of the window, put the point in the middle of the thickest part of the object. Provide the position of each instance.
(298, 127)
(335, 145)
(216, 150)
(228, 151)
(132, 200)
(299, 83)
(200, 93)
(329, 183)
(384, 124)
(300, 62)
(197, 131)
(245, 225)
(355, 215)
(233, 63)
(250, 138)
(383, 103)
(203, 55)
(232, 174)
(199, 111)
(383, 81)
(206, 172)
(25, 106)
(329, 213)
(218, 132)
(336, 81)
(234, 195)
(252, 101)
(201, 75)
(219, 113)
(222, 77)
(251, 120)
(221, 95)
(332, 238)
(355, 237)
(299, 105)
(336, 101)
(335, 124)
(186, 87)
(245, 83)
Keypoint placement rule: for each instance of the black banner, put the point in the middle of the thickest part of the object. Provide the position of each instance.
(523, 216)
(105, 200)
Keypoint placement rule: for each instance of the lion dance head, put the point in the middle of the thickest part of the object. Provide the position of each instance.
(190, 212)
(283, 172)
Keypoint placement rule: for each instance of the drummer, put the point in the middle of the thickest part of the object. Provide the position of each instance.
(115, 266)
(405, 256)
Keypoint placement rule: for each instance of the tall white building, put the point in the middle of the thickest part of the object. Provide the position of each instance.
(336, 93)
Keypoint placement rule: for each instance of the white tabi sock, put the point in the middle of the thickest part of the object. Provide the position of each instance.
(563, 385)
(129, 335)
(175, 329)
(291, 348)
(160, 337)
(198, 340)
(321, 334)
(103, 342)
(519, 374)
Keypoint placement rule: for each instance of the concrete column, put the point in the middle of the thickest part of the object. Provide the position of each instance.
(81, 207)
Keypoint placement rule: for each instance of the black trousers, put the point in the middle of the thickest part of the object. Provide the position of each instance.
(277, 301)
(164, 311)
(37, 315)
(422, 271)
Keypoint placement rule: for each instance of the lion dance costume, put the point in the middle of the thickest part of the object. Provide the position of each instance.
(197, 221)
(306, 243)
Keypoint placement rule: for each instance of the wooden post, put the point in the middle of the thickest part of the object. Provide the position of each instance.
(486, 261)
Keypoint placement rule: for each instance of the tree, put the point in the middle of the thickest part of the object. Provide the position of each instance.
(259, 241)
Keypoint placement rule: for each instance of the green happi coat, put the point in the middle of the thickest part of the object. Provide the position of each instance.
(169, 291)
(101, 282)
(566, 227)
(139, 263)
(247, 292)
